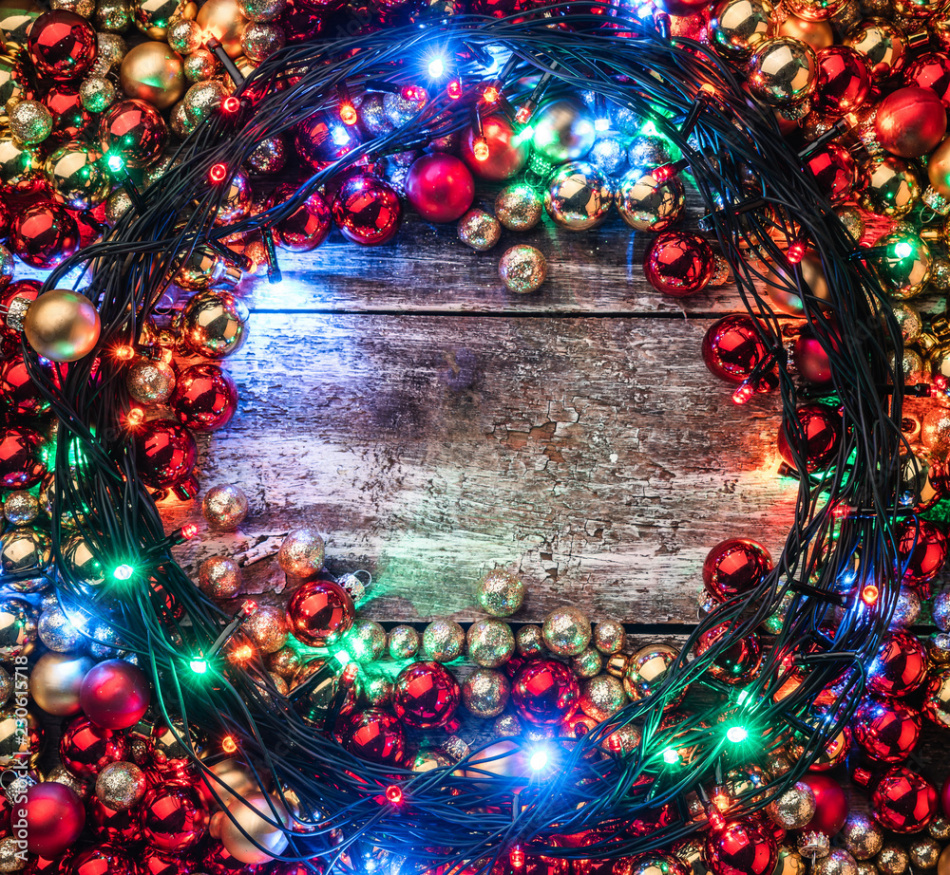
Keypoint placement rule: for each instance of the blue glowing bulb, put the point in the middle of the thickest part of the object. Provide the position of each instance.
(539, 759)
(601, 125)
(437, 67)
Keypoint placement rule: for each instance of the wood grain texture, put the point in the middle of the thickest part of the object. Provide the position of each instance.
(597, 457)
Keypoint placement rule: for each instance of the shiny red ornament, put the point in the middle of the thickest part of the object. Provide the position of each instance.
(165, 453)
(305, 228)
(205, 398)
(741, 847)
(154, 862)
(367, 209)
(737, 664)
(55, 816)
(900, 666)
(323, 138)
(831, 804)
(732, 348)
(545, 692)
(376, 736)
(173, 817)
(135, 130)
(85, 749)
(70, 119)
(887, 730)
(811, 360)
(678, 263)
(44, 235)
(821, 427)
(15, 299)
(930, 70)
(903, 801)
(18, 392)
(735, 566)
(910, 122)
(921, 550)
(121, 827)
(842, 81)
(320, 611)
(834, 170)
(105, 859)
(425, 695)
(21, 458)
(507, 150)
(115, 694)
(62, 45)
(440, 187)
(61, 865)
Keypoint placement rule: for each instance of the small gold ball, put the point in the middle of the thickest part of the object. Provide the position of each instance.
(924, 853)
(184, 36)
(302, 553)
(479, 230)
(30, 122)
(518, 207)
(225, 507)
(523, 269)
(485, 692)
(150, 381)
(267, 628)
(200, 66)
(491, 643)
(62, 325)
(443, 640)
(224, 20)
(892, 859)
(219, 577)
(120, 785)
(566, 631)
(862, 836)
(97, 94)
(499, 593)
(609, 637)
(153, 72)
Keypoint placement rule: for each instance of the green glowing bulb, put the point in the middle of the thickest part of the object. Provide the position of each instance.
(903, 249)
(737, 734)
(115, 163)
(123, 571)
(198, 666)
(670, 756)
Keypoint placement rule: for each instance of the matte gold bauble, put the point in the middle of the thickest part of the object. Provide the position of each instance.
(55, 682)
(153, 72)
(223, 20)
(62, 325)
(253, 836)
(153, 17)
(817, 34)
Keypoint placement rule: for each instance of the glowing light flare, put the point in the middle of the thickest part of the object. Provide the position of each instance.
(124, 353)
(189, 531)
(249, 607)
(394, 794)
(491, 94)
(743, 394)
(523, 115)
(516, 858)
(436, 67)
(453, 90)
(115, 162)
(218, 173)
(601, 125)
(230, 104)
(796, 252)
(198, 666)
(480, 149)
(903, 249)
(737, 734)
(242, 653)
(348, 114)
(135, 417)
(841, 510)
(123, 571)
(228, 744)
(870, 594)
(538, 759)
(671, 756)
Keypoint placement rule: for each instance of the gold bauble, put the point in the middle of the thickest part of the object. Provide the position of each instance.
(815, 10)
(937, 699)
(838, 862)
(150, 381)
(935, 427)
(55, 682)
(490, 643)
(647, 669)
(892, 860)
(153, 72)
(790, 862)
(19, 738)
(77, 177)
(214, 324)
(120, 785)
(18, 163)
(738, 26)
(908, 319)
(25, 549)
(223, 20)
(646, 203)
(219, 577)
(938, 169)
(82, 562)
(301, 553)
(938, 361)
(252, 836)
(499, 593)
(518, 207)
(794, 808)
(782, 71)
(62, 325)
(184, 36)
(236, 204)
(578, 196)
(523, 269)
(939, 828)
(443, 640)
(228, 778)
(30, 122)
(882, 44)
(861, 835)
(602, 697)
(485, 692)
(609, 637)
(17, 629)
(225, 507)
(566, 631)
(924, 853)
(267, 628)
(783, 294)
(284, 662)
(153, 17)
(817, 34)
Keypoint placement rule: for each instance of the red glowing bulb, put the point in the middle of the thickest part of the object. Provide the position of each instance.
(491, 94)
(218, 173)
(743, 394)
(228, 744)
(394, 794)
(454, 89)
(136, 417)
(480, 149)
(870, 594)
(189, 530)
(348, 113)
(230, 104)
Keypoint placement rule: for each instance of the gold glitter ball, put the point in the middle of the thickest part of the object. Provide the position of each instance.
(121, 785)
(485, 692)
(200, 66)
(268, 156)
(403, 642)
(529, 641)
(794, 808)
(61, 775)
(566, 631)
(865, 867)
(225, 508)
(443, 640)
(479, 229)
(112, 16)
(506, 726)
(499, 593)
(97, 93)
(30, 122)
(602, 696)
(85, 8)
(861, 836)
(203, 98)
(365, 640)
(150, 382)
(10, 858)
(924, 853)
(219, 577)
(6, 686)
(939, 828)
(284, 662)
(267, 628)
(609, 637)
(892, 860)
(523, 269)
(20, 508)
(56, 631)
(262, 10)
(838, 862)
(260, 40)
(184, 36)
(302, 552)
(111, 50)
(491, 643)
(587, 663)
(519, 207)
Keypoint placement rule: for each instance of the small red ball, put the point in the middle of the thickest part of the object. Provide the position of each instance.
(55, 816)
(903, 801)
(545, 692)
(818, 439)
(103, 860)
(507, 151)
(738, 663)
(887, 731)
(320, 611)
(930, 70)
(205, 398)
(135, 130)
(367, 209)
(741, 847)
(440, 187)
(115, 694)
(842, 81)
(305, 228)
(21, 458)
(831, 803)
(18, 392)
(834, 170)
(910, 122)
(735, 566)
(165, 453)
(921, 550)
(900, 667)
(86, 749)
(322, 139)
(678, 264)
(732, 348)
(62, 45)
(425, 695)
(173, 817)
(376, 736)
(44, 235)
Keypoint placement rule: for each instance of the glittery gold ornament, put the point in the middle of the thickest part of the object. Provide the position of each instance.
(587, 663)
(153, 17)
(262, 10)
(113, 16)
(499, 593)
(491, 643)
(518, 207)
(578, 196)
(184, 36)
(284, 662)
(479, 230)
(924, 853)
(365, 640)
(602, 697)
(77, 178)
(903, 264)
(118, 204)
(203, 99)
(623, 741)
(152, 72)
(302, 552)
(609, 636)
(268, 156)
(62, 325)
(892, 860)
(566, 631)
(150, 381)
(738, 26)
(443, 640)
(861, 836)
(937, 698)
(61, 775)
(57, 632)
(97, 93)
(23, 550)
(11, 856)
(506, 726)
(6, 686)
(782, 71)
(939, 828)
(262, 39)
(485, 692)
(892, 188)
(225, 507)
(529, 641)
(20, 507)
(30, 122)
(55, 681)
(794, 808)
(223, 20)
(85, 8)
(220, 577)
(120, 785)
(267, 628)
(646, 203)
(403, 642)
(908, 319)
(374, 691)
(199, 66)
(522, 269)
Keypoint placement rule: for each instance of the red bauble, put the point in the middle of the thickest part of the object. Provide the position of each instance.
(173, 817)
(887, 731)
(842, 81)
(440, 187)
(114, 694)
(62, 45)
(822, 434)
(678, 264)
(545, 692)
(135, 130)
(205, 398)
(21, 459)
(103, 860)
(834, 170)
(305, 228)
(154, 862)
(900, 666)
(811, 360)
(86, 750)
(903, 801)
(507, 152)
(320, 611)
(738, 663)
(18, 393)
(323, 138)
(367, 209)
(945, 797)
(376, 736)
(165, 453)
(55, 815)
(15, 299)
(921, 550)
(741, 847)
(735, 566)
(121, 827)
(70, 119)
(44, 235)
(931, 70)
(732, 348)
(910, 122)
(831, 804)
(425, 695)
